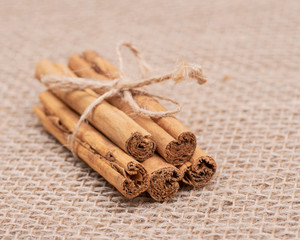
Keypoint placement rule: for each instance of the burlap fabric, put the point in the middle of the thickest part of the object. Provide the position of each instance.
(247, 117)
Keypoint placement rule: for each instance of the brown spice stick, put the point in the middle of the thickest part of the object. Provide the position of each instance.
(115, 124)
(173, 151)
(118, 168)
(199, 170)
(163, 177)
(201, 167)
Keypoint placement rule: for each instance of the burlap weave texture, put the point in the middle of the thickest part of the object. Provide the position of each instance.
(247, 117)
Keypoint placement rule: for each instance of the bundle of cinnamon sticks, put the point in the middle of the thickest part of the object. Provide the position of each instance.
(132, 152)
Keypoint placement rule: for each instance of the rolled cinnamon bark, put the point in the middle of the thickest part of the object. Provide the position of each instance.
(118, 168)
(199, 170)
(201, 167)
(175, 152)
(115, 124)
(164, 178)
(163, 183)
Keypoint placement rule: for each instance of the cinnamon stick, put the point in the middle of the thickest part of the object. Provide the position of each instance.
(199, 170)
(201, 167)
(164, 178)
(118, 168)
(115, 124)
(163, 183)
(175, 152)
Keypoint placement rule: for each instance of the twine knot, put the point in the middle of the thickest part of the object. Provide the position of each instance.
(124, 87)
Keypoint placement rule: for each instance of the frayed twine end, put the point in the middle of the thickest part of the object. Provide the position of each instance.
(187, 70)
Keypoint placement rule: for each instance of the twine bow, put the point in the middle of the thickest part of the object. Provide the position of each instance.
(123, 87)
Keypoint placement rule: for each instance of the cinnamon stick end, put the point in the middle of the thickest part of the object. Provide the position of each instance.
(137, 180)
(180, 151)
(164, 183)
(201, 172)
(140, 147)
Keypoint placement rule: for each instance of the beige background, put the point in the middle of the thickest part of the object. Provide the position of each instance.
(250, 123)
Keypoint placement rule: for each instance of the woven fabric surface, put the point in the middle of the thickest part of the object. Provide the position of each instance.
(247, 116)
